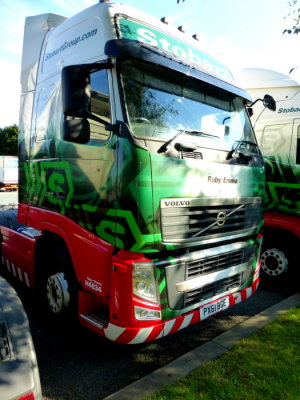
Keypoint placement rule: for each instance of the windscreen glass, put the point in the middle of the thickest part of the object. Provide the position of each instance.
(161, 104)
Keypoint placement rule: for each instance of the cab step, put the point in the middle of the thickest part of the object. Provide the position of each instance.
(95, 320)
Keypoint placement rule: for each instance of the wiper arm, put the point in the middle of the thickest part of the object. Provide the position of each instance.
(170, 142)
(234, 151)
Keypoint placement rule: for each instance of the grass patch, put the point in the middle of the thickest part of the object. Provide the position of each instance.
(263, 366)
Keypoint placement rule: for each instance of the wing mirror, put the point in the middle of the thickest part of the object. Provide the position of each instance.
(76, 89)
(76, 101)
(268, 102)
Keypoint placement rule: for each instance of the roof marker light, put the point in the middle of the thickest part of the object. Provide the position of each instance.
(181, 29)
(164, 20)
(196, 37)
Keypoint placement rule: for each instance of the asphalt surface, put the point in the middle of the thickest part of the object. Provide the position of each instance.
(8, 198)
(76, 364)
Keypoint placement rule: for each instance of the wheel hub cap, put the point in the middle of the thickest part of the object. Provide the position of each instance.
(274, 262)
(57, 292)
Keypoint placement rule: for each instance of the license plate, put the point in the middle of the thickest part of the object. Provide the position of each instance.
(214, 308)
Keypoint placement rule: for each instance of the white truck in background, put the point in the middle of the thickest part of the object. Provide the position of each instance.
(8, 172)
(278, 135)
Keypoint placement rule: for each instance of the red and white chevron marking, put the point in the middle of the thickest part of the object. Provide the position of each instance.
(141, 335)
(16, 271)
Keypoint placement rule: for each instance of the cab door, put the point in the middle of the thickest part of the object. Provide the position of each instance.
(91, 167)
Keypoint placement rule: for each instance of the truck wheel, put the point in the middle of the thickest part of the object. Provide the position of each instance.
(274, 263)
(58, 294)
(277, 265)
(59, 287)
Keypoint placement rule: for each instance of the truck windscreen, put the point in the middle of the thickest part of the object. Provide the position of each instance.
(160, 103)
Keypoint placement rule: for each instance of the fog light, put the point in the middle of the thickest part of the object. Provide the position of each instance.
(146, 313)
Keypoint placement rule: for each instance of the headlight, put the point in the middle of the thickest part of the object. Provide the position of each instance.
(144, 282)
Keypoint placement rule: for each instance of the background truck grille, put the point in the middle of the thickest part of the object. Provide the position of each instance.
(211, 290)
(195, 219)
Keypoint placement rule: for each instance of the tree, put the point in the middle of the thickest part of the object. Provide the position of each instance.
(295, 12)
(9, 140)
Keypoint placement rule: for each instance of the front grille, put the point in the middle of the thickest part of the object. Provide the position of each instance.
(195, 219)
(213, 289)
(208, 273)
(214, 264)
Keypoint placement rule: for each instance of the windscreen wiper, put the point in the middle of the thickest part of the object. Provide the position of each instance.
(171, 141)
(234, 151)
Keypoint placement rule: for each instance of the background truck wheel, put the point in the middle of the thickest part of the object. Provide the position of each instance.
(278, 264)
(59, 288)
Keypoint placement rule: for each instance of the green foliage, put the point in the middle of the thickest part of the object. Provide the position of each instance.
(263, 366)
(9, 140)
(295, 12)
(178, 1)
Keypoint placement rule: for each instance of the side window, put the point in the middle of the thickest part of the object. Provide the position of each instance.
(100, 106)
(42, 143)
(276, 141)
(44, 113)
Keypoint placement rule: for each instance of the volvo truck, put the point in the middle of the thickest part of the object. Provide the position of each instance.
(141, 189)
(278, 135)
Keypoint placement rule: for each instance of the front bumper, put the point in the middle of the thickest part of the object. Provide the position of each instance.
(132, 335)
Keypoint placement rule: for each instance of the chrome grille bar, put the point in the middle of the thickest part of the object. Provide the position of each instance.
(194, 219)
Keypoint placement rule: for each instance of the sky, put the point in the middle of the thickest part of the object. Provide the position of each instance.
(241, 33)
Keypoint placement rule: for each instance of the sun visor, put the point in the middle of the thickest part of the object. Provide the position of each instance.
(134, 49)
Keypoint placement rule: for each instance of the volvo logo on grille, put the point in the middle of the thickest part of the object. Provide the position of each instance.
(221, 218)
(177, 203)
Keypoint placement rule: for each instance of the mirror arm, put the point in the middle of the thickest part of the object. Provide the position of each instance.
(95, 118)
(120, 128)
(252, 104)
(268, 102)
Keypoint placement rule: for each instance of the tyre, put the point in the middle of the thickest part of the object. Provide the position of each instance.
(58, 284)
(278, 263)
(58, 292)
